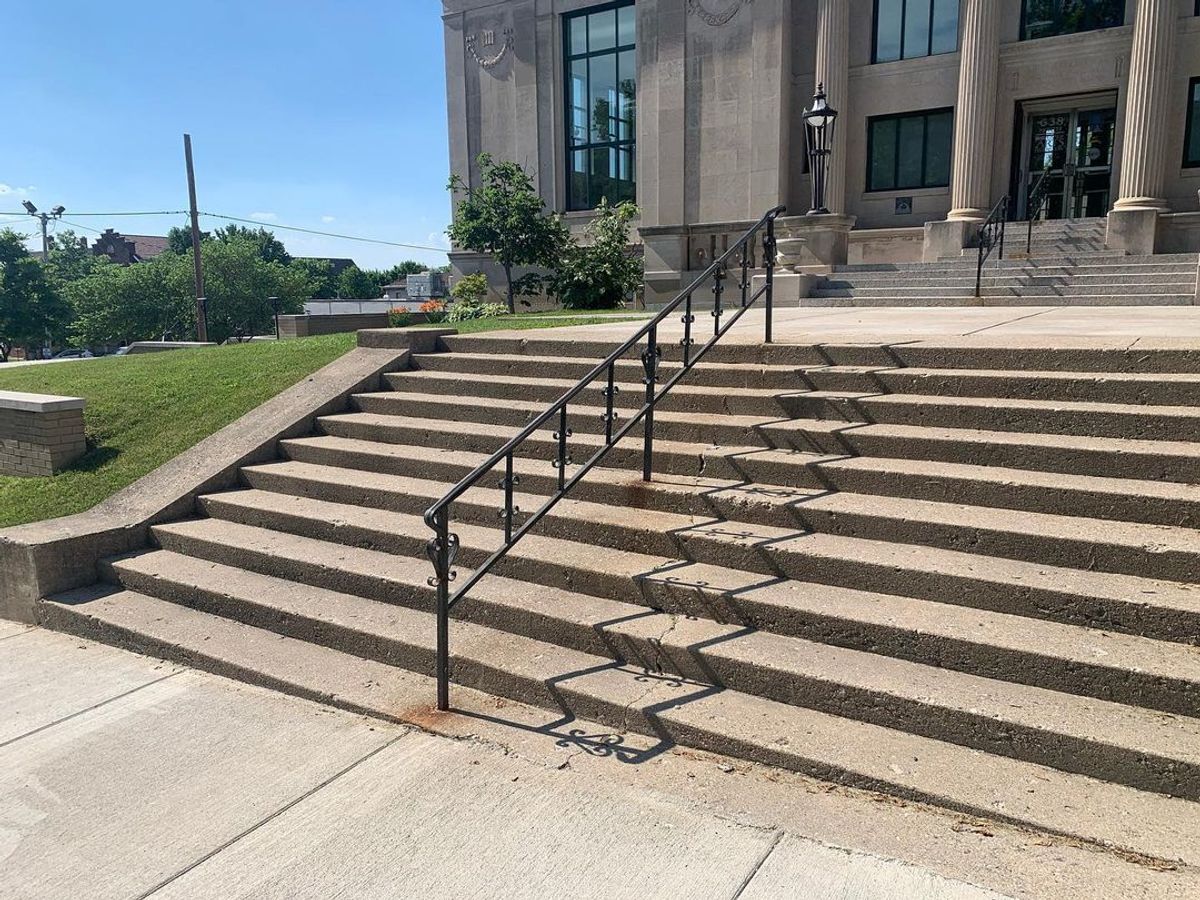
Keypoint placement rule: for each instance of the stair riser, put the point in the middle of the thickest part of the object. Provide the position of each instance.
(626, 372)
(791, 562)
(1140, 425)
(708, 665)
(805, 472)
(629, 396)
(1048, 359)
(856, 441)
(1182, 275)
(701, 601)
(1085, 552)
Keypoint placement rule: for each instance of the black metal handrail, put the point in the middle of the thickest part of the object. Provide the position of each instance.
(991, 234)
(1033, 206)
(443, 546)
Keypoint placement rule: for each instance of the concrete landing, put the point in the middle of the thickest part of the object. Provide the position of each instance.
(123, 777)
(1152, 326)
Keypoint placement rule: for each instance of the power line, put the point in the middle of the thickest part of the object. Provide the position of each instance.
(261, 224)
(345, 237)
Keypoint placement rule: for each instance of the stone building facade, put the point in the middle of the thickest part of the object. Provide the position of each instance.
(693, 107)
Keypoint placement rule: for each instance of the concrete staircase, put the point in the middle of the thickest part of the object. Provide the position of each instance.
(1068, 265)
(966, 577)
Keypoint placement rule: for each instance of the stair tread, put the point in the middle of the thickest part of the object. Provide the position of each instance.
(1082, 718)
(1130, 409)
(1018, 575)
(1148, 823)
(1159, 538)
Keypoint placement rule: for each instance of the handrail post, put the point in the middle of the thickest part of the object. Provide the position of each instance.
(609, 396)
(1003, 224)
(442, 549)
(718, 289)
(650, 359)
(687, 340)
(564, 458)
(769, 260)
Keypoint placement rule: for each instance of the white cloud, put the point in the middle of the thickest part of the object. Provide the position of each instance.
(7, 190)
(263, 216)
(438, 239)
(328, 219)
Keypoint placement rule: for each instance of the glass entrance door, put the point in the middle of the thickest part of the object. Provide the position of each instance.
(1074, 148)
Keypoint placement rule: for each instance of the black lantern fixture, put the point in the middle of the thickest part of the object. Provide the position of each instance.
(818, 128)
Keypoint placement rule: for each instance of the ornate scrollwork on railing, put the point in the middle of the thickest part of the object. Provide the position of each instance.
(697, 8)
(488, 39)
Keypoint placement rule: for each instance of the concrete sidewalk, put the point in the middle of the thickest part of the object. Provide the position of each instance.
(126, 777)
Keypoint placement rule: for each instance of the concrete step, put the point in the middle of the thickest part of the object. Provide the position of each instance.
(1112, 387)
(1066, 290)
(589, 687)
(1089, 662)
(926, 301)
(1069, 541)
(1158, 423)
(1118, 743)
(1111, 459)
(998, 278)
(546, 390)
(1080, 387)
(969, 260)
(959, 353)
(1150, 502)
(1095, 599)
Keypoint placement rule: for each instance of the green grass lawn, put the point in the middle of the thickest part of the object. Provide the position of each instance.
(143, 410)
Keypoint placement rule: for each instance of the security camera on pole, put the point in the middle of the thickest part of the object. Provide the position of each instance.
(44, 218)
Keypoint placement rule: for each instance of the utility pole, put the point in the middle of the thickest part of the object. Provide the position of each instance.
(44, 218)
(201, 303)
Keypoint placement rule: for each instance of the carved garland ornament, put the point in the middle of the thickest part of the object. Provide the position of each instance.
(488, 39)
(696, 8)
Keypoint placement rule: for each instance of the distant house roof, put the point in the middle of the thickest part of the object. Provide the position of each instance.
(128, 248)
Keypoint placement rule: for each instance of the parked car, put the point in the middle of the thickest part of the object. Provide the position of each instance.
(72, 353)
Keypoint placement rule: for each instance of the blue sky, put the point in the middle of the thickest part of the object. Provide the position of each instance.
(324, 114)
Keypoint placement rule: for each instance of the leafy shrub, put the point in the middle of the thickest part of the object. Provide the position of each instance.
(470, 288)
(435, 310)
(399, 318)
(603, 272)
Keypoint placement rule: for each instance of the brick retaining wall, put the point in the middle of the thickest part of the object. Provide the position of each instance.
(40, 434)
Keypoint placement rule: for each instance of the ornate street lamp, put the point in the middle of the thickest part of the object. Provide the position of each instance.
(818, 127)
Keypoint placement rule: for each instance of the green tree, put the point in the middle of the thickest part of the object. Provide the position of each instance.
(355, 284)
(505, 217)
(31, 310)
(70, 260)
(153, 299)
(269, 247)
(179, 239)
(319, 273)
(149, 301)
(602, 272)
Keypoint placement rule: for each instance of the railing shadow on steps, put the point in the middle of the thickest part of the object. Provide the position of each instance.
(991, 234)
(443, 546)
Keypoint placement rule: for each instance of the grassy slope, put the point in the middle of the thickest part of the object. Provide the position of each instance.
(143, 410)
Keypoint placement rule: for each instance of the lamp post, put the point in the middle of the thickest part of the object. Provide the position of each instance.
(819, 122)
(44, 218)
(275, 306)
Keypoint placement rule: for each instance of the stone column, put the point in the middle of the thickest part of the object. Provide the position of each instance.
(1148, 103)
(833, 70)
(975, 114)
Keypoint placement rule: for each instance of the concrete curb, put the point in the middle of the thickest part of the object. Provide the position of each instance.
(43, 558)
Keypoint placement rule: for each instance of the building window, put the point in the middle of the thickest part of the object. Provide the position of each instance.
(601, 94)
(906, 29)
(1047, 18)
(1191, 136)
(909, 151)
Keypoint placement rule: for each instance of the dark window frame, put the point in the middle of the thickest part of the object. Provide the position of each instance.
(903, 29)
(571, 203)
(924, 114)
(1025, 24)
(1192, 122)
